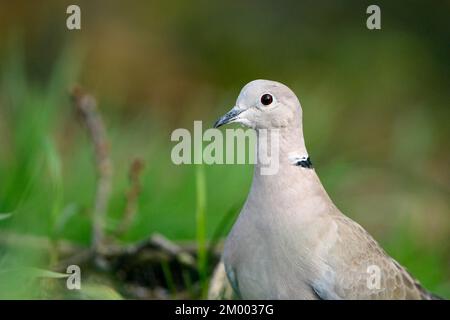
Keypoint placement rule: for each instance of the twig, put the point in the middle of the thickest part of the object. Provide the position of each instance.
(86, 106)
(219, 286)
(11, 239)
(157, 243)
(75, 254)
(161, 242)
(132, 196)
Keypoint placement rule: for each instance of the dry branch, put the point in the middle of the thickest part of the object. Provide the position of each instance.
(11, 239)
(86, 106)
(132, 196)
(219, 286)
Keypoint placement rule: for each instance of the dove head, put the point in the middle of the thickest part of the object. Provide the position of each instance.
(264, 104)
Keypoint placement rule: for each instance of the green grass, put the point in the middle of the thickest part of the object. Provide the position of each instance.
(200, 217)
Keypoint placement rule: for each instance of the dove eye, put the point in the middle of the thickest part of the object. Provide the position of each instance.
(266, 99)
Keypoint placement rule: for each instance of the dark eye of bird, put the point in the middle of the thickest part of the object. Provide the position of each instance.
(266, 99)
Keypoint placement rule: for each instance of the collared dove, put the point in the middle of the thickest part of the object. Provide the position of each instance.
(290, 241)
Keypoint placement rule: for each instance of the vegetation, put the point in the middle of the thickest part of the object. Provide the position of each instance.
(376, 120)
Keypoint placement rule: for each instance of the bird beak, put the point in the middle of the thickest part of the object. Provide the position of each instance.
(229, 117)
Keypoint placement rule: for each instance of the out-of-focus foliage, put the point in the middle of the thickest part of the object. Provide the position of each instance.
(376, 110)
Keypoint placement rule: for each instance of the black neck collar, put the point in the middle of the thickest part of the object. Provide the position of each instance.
(304, 162)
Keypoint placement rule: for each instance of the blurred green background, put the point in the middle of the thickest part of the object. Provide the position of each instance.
(376, 114)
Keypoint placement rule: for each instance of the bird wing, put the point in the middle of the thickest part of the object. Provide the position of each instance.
(358, 268)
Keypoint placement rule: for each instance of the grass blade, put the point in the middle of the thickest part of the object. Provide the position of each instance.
(200, 218)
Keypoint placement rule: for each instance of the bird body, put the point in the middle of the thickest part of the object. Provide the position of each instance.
(290, 241)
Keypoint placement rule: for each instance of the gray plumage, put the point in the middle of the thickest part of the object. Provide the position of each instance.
(290, 241)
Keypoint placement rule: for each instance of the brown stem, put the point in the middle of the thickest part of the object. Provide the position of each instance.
(132, 196)
(86, 107)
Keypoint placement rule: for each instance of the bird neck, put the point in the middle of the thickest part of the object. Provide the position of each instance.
(289, 170)
(280, 147)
